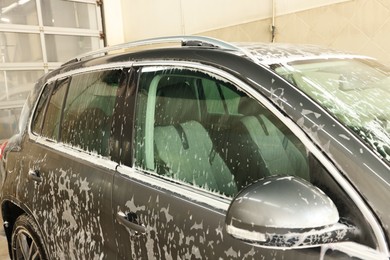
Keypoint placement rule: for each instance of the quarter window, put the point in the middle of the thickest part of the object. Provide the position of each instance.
(51, 124)
(37, 122)
(200, 129)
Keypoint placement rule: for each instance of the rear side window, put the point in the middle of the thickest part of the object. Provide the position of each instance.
(78, 111)
(37, 122)
(51, 124)
(88, 110)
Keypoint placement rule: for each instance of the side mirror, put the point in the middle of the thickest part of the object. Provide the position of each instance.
(285, 212)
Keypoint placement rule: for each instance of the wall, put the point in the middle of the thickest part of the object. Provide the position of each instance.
(131, 20)
(151, 18)
(358, 26)
(113, 20)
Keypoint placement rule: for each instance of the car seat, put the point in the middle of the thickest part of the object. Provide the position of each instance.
(260, 148)
(183, 148)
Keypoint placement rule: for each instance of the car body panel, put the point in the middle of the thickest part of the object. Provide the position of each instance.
(181, 226)
(77, 204)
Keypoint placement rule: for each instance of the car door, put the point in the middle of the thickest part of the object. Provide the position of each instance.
(198, 141)
(68, 166)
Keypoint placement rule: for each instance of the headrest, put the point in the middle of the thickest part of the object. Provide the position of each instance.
(250, 107)
(175, 104)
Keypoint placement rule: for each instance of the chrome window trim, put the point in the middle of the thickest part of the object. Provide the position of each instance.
(214, 200)
(76, 152)
(116, 65)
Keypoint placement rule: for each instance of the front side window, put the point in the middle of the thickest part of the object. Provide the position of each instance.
(88, 110)
(202, 130)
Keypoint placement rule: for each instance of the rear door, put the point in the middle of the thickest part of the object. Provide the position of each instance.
(69, 167)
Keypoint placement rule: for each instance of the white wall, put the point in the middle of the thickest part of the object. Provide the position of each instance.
(114, 24)
(153, 18)
(358, 26)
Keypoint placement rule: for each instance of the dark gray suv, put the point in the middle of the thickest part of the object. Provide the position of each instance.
(194, 148)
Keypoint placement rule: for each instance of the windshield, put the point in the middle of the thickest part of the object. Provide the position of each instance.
(355, 91)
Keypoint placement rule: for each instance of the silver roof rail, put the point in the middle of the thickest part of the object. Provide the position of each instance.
(183, 40)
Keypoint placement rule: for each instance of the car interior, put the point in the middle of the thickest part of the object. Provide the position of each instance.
(209, 134)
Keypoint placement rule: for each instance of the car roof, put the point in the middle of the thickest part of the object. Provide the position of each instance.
(264, 54)
(276, 53)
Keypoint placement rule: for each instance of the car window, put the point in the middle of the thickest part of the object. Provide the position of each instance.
(37, 121)
(51, 124)
(87, 107)
(88, 110)
(200, 129)
(219, 97)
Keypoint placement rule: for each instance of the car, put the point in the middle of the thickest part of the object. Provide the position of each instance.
(189, 147)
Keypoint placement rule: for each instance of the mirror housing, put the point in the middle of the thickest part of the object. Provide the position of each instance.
(285, 212)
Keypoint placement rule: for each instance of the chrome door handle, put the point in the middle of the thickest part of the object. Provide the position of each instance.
(130, 220)
(35, 176)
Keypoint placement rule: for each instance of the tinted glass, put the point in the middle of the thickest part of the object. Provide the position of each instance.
(88, 110)
(220, 98)
(202, 130)
(40, 109)
(51, 124)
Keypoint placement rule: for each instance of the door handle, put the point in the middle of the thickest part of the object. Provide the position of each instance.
(131, 221)
(35, 175)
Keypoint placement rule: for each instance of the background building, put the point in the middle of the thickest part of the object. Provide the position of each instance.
(38, 35)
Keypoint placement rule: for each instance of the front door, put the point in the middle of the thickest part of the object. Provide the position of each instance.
(171, 196)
